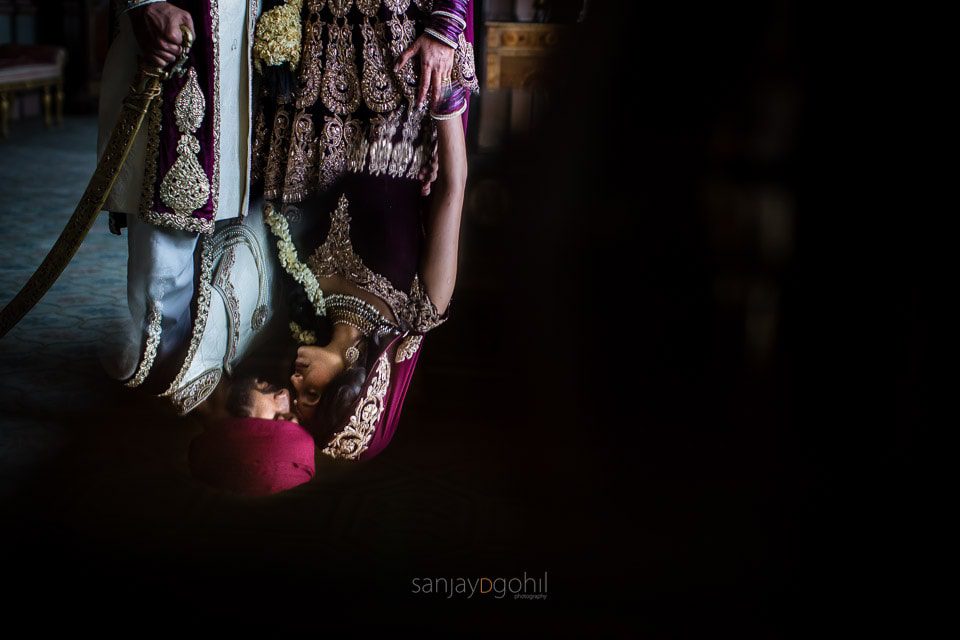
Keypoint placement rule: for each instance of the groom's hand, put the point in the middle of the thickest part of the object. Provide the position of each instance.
(157, 29)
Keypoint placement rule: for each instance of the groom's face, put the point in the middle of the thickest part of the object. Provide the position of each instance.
(270, 401)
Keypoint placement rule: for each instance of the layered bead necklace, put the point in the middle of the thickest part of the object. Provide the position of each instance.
(357, 313)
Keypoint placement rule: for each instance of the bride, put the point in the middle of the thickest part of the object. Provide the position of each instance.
(342, 142)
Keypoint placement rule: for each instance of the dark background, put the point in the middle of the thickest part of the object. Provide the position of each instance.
(691, 355)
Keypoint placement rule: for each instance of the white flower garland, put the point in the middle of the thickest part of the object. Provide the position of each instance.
(287, 253)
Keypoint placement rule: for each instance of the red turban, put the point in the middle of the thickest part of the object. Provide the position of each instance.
(253, 456)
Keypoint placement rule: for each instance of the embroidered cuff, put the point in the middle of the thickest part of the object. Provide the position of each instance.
(447, 21)
(126, 5)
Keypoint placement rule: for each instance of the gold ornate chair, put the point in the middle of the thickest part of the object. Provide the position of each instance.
(28, 68)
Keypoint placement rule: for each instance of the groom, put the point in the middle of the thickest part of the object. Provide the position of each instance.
(187, 172)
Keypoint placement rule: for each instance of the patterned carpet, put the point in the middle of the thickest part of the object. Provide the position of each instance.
(49, 361)
(94, 476)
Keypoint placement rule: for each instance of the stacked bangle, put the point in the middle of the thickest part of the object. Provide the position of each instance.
(447, 21)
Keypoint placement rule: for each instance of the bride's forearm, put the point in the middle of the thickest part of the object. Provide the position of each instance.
(439, 266)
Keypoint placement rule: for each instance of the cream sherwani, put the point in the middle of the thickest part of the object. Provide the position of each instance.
(160, 263)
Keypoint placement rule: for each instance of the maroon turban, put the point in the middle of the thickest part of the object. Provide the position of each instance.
(253, 456)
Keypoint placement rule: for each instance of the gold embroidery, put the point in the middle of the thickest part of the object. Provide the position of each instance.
(311, 71)
(278, 153)
(357, 147)
(258, 152)
(189, 106)
(382, 131)
(402, 32)
(224, 284)
(340, 8)
(336, 257)
(403, 152)
(354, 439)
(424, 151)
(301, 162)
(368, 7)
(196, 391)
(150, 349)
(332, 151)
(341, 87)
(397, 6)
(464, 70)
(408, 348)
(379, 91)
(215, 179)
(186, 187)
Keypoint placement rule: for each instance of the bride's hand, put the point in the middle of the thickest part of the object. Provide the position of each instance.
(436, 65)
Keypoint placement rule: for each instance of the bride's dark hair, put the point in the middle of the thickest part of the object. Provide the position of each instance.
(342, 392)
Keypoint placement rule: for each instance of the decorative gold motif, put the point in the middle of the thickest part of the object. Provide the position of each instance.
(402, 34)
(215, 179)
(196, 391)
(397, 6)
(403, 152)
(337, 139)
(354, 439)
(150, 349)
(259, 317)
(301, 163)
(336, 257)
(276, 158)
(258, 151)
(186, 187)
(341, 86)
(382, 130)
(340, 8)
(189, 106)
(408, 348)
(224, 284)
(379, 91)
(357, 147)
(464, 70)
(311, 71)
(368, 7)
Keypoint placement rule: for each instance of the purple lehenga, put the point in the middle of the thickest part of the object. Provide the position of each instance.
(339, 162)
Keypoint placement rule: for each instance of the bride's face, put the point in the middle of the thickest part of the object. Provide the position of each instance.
(314, 368)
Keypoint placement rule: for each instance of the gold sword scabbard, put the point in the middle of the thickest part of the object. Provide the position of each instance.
(145, 89)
